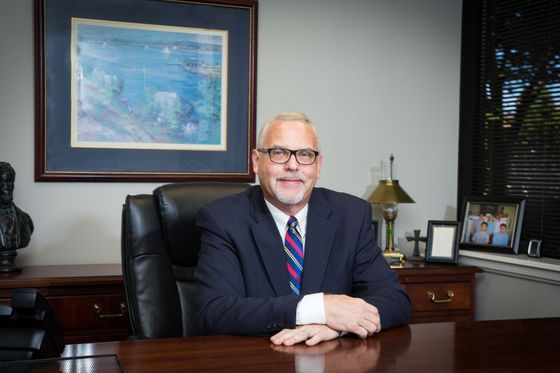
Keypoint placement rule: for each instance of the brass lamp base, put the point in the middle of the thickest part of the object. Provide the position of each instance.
(395, 258)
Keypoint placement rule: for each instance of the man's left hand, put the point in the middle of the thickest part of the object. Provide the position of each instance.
(311, 334)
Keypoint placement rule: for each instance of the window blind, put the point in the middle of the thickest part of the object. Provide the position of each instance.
(509, 142)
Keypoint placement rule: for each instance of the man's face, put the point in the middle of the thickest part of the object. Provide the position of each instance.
(502, 229)
(287, 186)
(483, 227)
(6, 190)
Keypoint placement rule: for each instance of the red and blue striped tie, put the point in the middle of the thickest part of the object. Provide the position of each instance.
(293, 246)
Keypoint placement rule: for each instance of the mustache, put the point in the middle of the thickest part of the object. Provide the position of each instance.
(289, 177)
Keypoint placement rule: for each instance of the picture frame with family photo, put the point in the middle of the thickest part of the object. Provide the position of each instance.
(492, 225)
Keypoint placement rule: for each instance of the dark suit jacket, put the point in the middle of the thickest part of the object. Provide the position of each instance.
(242, 281)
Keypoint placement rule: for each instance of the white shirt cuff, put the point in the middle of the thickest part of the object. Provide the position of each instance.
(311, 310)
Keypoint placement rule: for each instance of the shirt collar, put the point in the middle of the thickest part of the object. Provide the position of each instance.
(281, 219)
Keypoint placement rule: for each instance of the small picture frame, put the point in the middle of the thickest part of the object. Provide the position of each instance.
(534, 248)
(442, 241)
(376, 225)
(492, 225)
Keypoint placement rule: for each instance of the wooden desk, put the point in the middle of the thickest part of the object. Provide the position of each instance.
(484, 346)
(72, 291)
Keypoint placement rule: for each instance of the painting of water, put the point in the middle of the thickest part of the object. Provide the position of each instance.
(141, 86)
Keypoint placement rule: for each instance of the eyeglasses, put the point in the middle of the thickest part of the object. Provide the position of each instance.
(281, 155)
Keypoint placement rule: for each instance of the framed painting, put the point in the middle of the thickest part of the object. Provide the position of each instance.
(442, 241)
(145, 90)
(492, 225)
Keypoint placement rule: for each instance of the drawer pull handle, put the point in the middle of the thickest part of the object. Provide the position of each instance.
(432, 296)
(99, 312)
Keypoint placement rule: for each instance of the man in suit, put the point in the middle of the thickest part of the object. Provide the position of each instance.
(251, 281)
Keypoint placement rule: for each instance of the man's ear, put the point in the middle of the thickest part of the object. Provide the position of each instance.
(255, 156)
(319, 164)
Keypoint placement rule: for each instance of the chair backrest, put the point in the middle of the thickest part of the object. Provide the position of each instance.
(159, 248)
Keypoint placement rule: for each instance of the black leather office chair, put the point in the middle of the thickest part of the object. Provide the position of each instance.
(160, 246)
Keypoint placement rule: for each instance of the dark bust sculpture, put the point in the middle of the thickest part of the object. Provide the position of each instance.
(15, 225)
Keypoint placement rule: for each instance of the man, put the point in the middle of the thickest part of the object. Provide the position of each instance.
(251, 281)
(501, 238)
(481, 220)
(481, 237)
(491, 224)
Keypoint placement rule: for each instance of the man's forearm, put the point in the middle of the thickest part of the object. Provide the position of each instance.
(235, 315)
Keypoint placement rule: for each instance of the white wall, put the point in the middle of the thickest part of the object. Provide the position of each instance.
(376, 76)
(514, 286)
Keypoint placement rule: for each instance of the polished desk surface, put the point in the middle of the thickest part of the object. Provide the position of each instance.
(531, 345)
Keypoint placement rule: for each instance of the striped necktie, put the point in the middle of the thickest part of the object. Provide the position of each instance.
(293, 246)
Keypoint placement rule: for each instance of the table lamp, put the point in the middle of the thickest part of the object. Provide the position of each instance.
(389, 194)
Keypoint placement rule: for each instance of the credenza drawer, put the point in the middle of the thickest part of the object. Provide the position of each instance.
(90, 312)
(440, 296)
(439, 292)
(86, 299)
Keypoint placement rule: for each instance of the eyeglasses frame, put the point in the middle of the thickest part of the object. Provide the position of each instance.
(292, 153)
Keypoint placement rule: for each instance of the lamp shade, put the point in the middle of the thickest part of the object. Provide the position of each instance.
(389, 192)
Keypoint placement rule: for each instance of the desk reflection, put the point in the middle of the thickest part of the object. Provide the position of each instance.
(347, 354)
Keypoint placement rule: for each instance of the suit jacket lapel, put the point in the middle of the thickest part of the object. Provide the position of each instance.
(319, 241)
(270, 245)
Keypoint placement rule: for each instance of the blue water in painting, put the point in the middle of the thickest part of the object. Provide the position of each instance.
(146, 86)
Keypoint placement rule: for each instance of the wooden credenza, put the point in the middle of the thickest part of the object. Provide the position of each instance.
(87, 299)
(439, 292)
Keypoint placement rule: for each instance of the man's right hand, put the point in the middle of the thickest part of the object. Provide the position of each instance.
(353, 315)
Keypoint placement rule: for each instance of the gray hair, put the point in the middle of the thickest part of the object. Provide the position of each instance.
(287, 116)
